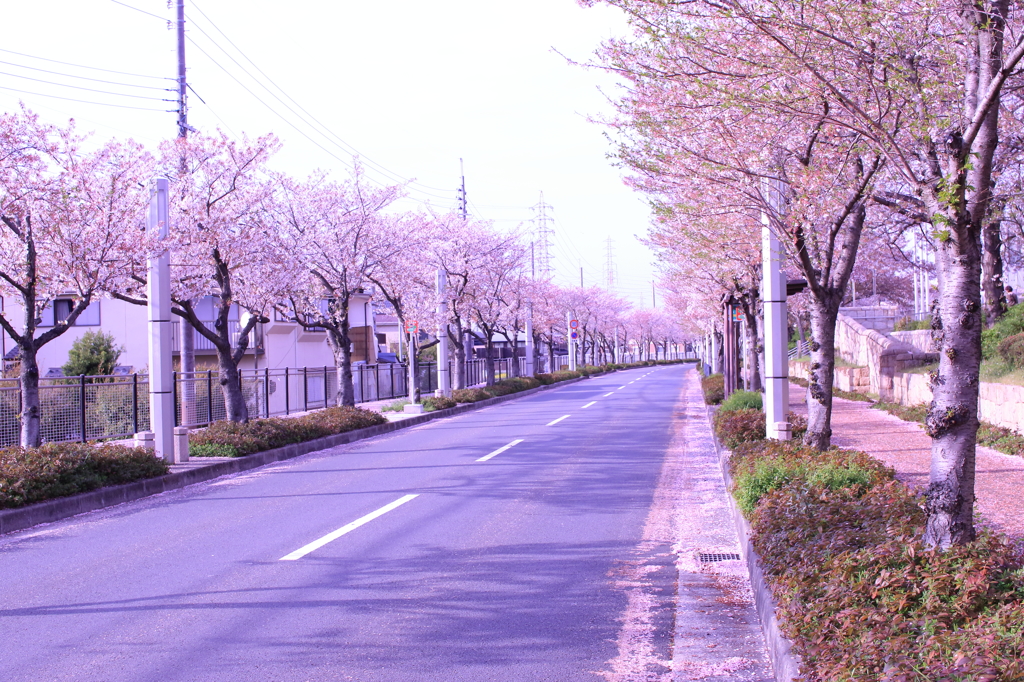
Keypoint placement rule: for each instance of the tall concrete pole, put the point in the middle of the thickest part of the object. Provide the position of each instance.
(444, 377)
(571, 342)
(773, 294)
(530, 351)
(158, 293)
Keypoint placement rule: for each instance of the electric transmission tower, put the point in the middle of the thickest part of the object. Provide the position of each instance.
(609, 265)
(543, 238)
(460, 193)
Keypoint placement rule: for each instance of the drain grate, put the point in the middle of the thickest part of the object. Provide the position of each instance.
(708, 558)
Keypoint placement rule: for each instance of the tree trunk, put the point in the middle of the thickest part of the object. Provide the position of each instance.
(753, 368)
(489, 346)
(992, 272)
(30, 410)
(460, 360)
(822, 375)
(231, 385)
(953, 414)
(341, 346)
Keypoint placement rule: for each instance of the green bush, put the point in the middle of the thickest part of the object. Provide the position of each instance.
(989, 435)
(470, 395)
(555, 377)
(1010, 324)
(54, 470)
(858, 594)
(735, 427)
(713, 386)
(906, 324)
(438, 402)
(742, 400)
(236, 440)
(91, 354)
(1011, 350)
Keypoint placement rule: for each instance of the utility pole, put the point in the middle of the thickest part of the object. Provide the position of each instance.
(461, 193)
(187, 352)
(158, 297)
(444, 378)
(530, 352)
(654, 296)
(543, 238)
(773, 294)
(581, 277)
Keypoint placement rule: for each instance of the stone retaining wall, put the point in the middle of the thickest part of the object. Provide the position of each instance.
(920, 339)
(883, 356)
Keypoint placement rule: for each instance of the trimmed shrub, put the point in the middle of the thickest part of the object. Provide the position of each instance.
(438, 402)
(1010, 324)
(742, 400)
(231, 439)
(735, 427)
(469, 395)
(713, 386)
(92, 353)
(55, 470)
(858, 594)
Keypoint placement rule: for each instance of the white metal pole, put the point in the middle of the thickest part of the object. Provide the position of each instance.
(444, 378)
(571, 345)
(531, 370)
(412, 367)
(773, 293)
(158, 294)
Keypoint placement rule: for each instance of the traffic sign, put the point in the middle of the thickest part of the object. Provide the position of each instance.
(412, 327)
(575, 335)
(737, 315)
(574, 324)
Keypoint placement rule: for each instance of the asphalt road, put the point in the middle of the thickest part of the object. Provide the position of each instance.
(428, 554)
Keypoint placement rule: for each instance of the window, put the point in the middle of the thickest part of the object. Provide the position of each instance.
(60, 310)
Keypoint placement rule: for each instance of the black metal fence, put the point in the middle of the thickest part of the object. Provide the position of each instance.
(103, 407)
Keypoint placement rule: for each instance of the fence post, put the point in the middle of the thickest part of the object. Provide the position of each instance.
(305, 389)
(266, 391)
(81, 402)
(174, 390)
(135, 402)
(209, 396)
(325, 385)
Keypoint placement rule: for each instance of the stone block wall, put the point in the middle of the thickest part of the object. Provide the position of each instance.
(883, 356)
(920, 339)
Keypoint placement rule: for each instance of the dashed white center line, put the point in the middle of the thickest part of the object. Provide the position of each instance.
(588, 404)
(620, 388)
(330, 537)
(608, 394)
(500, 450)
(557, 420)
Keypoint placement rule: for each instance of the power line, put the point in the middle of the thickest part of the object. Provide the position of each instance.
(118, 2)
(329, 133)
(83, 66)
(86, 78)
(81, 87)
(85, 101)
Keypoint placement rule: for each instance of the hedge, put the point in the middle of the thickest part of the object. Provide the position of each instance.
(54, 470)
(231, 439)
(858, 594)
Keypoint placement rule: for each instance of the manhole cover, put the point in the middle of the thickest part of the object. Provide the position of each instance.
(708, 558)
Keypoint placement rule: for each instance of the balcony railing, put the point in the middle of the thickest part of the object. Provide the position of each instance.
(204, 344)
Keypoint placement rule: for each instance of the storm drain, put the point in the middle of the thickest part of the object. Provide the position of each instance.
(708, 558)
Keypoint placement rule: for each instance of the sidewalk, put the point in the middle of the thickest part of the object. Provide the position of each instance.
(905, 447)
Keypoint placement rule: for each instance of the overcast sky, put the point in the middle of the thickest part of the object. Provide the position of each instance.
(411, 85)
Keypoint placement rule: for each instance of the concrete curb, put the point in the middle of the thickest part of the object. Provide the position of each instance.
(61, 508)
(785, 664)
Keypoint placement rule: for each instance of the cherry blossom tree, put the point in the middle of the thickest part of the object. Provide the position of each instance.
(71, 226)
(336, 232)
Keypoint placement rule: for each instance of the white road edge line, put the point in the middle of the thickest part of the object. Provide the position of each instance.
(608, 394)
(557, 420)
(500, 450)
(317, 544)
(588, 404)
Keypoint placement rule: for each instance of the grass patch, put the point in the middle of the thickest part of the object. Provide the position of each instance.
(742, 400)
(29, 475)
(1006, 441)
(836, 393)
(397, 406)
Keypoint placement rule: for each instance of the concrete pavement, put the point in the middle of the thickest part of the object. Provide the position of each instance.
(535, 540)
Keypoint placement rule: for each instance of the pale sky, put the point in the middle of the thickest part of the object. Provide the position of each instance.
(412, 85)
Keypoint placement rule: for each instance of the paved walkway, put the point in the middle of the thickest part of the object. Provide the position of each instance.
(905, 447)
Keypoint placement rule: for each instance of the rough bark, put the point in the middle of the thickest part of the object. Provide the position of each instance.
(823, 363)
(341, 346)
(992, 272)
(30, 410)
